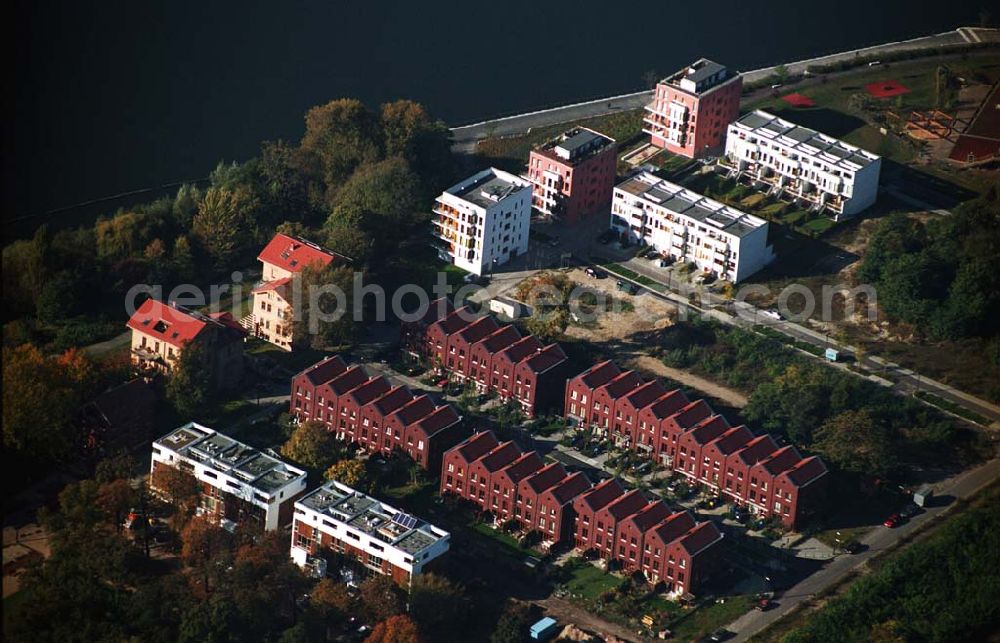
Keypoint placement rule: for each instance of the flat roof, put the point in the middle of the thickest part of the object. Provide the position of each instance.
(680, 200)
(488, 187)
(372, 517)
(703, 73)
(223, 453)
(575, 144)
(805, 140)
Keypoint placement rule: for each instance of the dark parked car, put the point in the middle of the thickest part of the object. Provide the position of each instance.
(910, 510)
(852, 547)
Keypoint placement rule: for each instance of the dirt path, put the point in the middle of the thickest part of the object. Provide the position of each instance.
(566, 612)
(653, 365)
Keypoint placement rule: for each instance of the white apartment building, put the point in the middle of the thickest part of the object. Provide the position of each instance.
(803, 164)
(483, 222)
(240, 485)
(684, 225)
(377, 538)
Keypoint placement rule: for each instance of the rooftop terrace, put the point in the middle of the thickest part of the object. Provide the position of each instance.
(807, 141)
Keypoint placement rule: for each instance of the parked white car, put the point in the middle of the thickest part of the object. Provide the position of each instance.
(771, 314)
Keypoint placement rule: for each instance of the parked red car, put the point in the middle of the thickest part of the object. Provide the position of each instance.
(893, 521)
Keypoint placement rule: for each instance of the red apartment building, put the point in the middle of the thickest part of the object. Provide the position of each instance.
(573, 175)
(692, 109)
(693, 440)
(413, 334)
(372, 413)
(503, 493)
(681, 553)
(494, 357)
(455, 477)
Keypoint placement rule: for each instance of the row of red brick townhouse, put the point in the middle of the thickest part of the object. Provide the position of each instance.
(495, 357)
(373, 413)
(620, 525)
(690, 438)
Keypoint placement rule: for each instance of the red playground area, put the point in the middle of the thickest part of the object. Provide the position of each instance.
(798, 100)
(886, 89)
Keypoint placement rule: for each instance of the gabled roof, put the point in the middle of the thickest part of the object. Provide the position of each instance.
(603, 494)
(544, 360)
(692, 414)
(325, 370)
(174, 324)
(415, 410)
(546, 477)
(757, 449)
(391, 400)
(781, 460)
(346, 381)
(436, 310)
(438, 420)
(733, 439)
(599, 374)
(455, 321)
(709, 429)
(226, 319)
(473, 447)
(651, 515)
(275, 284)
(500, 456)
(500, 339)
(478, 329)
(370, 390)
(521, 349)
(806, 471)
(697, 539)
(295, 253)
(674, 527)
(627, 505)
(523, 467)
(570, 487)
(622, 384)
(646, 394)
(669, 404)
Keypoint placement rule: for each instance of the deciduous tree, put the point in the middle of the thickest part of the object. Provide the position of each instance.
(381, 598)
(349, 471)
(395, 629)
(312, 446)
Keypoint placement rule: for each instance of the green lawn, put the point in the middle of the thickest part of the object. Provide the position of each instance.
(589, 581)
(708, 617)
(295, 361)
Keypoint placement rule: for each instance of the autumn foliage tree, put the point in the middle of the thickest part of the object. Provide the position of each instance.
(348, 471)
(395, 629)
(312, 446)
(225, 224)
(381, 598)
(204, 543)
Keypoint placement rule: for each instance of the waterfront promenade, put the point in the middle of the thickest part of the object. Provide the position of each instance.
(466, 136)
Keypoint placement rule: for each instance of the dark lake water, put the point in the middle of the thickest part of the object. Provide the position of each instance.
(114, 96)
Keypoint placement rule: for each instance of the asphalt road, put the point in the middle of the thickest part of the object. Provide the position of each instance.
(876, 541)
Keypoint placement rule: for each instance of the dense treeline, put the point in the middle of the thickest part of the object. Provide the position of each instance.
(939, 275)
(943, 589)
(855, 424)
(358, 181)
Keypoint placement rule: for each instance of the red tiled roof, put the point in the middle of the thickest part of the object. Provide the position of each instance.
(438, 420)
(599, 374)
(499, 457)
(500, 339)
(733, 439)
(391, 400)
(757, 449)
(472, 448)
(653, 514)
(546, 477)
(353, 376)
(627, 505)
(674, 527)
(709, 429)
(570, 487)
(603, 494)
(692, 414)
(293, 253)
(622, 384)
(806, 471)
(700, 537)
(436, 310)
(646, 394)
(456, 320)
(545, 359)
(171, 324)
(370, 390)
(325, 370)
(414, 410)
(668, 404)
(523, 467)
(781, 460)
(521, 349)
(272, 285)
(478, 329)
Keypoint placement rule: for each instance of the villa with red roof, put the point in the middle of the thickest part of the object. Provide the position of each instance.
(161, 331)
(281, 259)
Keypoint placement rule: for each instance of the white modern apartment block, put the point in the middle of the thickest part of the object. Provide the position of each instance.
(377, 538)
(239, 484)
(483, 221)
(685, 225)
(803, 164)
